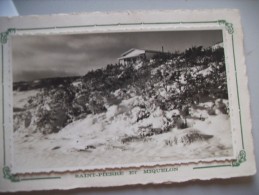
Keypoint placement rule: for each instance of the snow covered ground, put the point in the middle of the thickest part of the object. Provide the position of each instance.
(21, 97)
(113, 138)
(144, 113)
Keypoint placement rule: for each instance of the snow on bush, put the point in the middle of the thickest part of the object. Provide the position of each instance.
(175, 100)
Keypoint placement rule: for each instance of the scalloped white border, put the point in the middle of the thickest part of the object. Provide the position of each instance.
(184, 167)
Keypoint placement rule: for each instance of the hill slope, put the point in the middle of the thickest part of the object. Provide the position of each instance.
(172, 107)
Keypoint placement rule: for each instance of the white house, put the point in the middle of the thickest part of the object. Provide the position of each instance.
(217, 46)
(133, 55)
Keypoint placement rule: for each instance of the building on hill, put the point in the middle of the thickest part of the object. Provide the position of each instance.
(133, 55)
(217, 46)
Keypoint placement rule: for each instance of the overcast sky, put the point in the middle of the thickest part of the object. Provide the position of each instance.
(36, 57)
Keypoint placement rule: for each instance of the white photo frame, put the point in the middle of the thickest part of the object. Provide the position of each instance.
(19, 177)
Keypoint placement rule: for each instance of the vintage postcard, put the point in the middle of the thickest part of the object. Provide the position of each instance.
(123, 98)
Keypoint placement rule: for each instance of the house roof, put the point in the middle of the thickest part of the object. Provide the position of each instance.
(132, 53)
(217, 45)
(135, 53)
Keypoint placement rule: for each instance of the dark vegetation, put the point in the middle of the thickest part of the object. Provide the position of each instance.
(64, 100)
(43, 83)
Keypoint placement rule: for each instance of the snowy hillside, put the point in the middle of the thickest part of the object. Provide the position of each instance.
(170, 108)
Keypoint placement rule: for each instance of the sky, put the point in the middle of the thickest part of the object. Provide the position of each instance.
(45, 56)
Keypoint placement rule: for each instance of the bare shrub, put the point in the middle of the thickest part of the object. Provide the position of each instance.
(211, 112)
(181, 123)
(169, 142)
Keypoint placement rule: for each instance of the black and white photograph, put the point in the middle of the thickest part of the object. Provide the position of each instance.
(119, 99)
